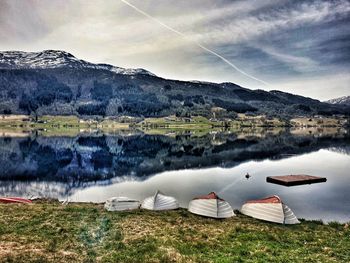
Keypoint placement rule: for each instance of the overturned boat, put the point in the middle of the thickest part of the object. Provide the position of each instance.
(121, 204)
(160, 202)
(270, 209)
(17, 200)
(211, 206)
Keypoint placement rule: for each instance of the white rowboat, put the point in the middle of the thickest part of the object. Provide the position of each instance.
(121, 204)
(211, 206)
(270, 209)
(160, 202)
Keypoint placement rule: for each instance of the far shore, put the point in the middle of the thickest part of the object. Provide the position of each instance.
(23, 125)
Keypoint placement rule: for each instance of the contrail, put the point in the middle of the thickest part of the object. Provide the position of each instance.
(195, 42)
(229, 185)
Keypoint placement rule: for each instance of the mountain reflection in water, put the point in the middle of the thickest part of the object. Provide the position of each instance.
(72, 167)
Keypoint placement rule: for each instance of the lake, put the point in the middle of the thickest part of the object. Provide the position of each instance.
(93, 166)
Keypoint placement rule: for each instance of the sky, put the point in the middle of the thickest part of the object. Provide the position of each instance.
(301, 47)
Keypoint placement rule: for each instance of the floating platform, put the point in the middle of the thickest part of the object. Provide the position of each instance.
(291, 180)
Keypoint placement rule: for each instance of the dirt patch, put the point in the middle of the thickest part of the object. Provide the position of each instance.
(15, 249)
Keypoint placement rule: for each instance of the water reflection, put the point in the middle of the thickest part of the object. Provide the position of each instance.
(94, 167)
(327, 201)
(92, 157)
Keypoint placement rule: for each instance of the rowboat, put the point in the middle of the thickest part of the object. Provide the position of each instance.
(270, 209)
(159, 201)
(17, 200)
(121, 204)
(211, 205)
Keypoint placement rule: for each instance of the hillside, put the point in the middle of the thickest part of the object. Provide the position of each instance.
(57, 83)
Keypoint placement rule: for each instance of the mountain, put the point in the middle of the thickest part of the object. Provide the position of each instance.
(55, 59)
(57, 83)
(345, 101)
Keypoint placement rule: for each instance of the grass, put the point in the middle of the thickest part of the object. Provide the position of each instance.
(22, 125)
(199, 122)
(51, 232)
(46, 125)
(318, 122)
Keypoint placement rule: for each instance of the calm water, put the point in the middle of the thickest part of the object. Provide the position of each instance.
(94, 167)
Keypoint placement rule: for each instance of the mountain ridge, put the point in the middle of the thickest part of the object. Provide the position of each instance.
(54, 82)
(344, 100)
(56, 58)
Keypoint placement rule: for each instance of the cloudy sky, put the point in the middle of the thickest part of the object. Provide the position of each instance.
(300, 47)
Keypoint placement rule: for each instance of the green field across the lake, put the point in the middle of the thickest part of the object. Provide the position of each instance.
(22, 125)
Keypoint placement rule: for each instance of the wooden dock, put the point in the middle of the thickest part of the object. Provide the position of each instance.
(291, 180)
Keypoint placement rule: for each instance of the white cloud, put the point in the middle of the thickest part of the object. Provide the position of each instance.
(298, 63)
(323, 87)
(253, 26)
(111, 32)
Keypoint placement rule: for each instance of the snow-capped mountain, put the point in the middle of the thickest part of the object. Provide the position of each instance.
(55, 59)
(55, 82)
(345, 100)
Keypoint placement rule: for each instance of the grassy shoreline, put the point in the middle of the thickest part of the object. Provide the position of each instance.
(23, 125)
(84, 232)
(193, 122)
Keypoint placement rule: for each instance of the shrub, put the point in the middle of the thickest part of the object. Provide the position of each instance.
(92, 109)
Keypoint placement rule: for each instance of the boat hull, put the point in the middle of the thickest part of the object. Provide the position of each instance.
(214, 208)
(18, 200)
(267, 212)
(270, 209)
(121, 204)
(160, 202)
